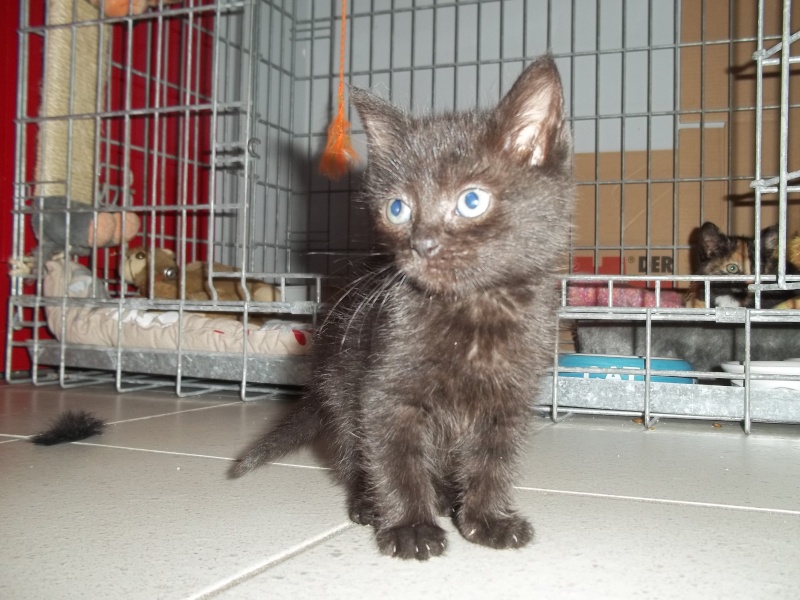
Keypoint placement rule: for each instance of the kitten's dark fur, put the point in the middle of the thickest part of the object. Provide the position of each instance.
(426, 379)
(720, 254)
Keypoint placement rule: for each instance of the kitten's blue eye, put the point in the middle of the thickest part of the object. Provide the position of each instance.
(473, 203)
(398, 212)
(733, 268)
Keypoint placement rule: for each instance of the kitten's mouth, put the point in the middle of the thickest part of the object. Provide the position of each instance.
(436, 275)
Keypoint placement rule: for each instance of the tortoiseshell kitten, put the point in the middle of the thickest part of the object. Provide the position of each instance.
(720, 254)
(427, 370)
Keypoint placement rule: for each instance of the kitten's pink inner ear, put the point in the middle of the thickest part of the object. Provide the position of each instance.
(526, 139)
(537, 120)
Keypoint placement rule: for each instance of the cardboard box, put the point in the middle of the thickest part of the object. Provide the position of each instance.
(636, 214)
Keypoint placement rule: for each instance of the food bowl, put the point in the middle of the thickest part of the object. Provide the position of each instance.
(766, 367)
(623, 363)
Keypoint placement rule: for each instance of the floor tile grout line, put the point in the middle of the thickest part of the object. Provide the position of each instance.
(169, 414)
(176, 412)
(153, 451)
(269, 562)
(780, 511)
(19, 438)
(189, 454)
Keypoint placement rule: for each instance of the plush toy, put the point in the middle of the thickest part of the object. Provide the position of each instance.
(51, 227)
(122, 8)
(167, 278)
(136, 271)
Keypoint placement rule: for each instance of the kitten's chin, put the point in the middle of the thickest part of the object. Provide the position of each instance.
(444, 282)
(439, 290)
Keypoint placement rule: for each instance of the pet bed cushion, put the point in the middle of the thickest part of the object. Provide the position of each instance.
(149, 329)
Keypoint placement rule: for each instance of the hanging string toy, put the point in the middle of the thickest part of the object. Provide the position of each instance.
(339, 153)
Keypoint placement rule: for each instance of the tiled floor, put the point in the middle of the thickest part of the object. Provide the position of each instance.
(145, 511)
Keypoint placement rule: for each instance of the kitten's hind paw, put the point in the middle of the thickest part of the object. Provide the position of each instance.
(420, 541)
(496, 531)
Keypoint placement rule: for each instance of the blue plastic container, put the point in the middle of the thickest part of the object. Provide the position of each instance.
(609, 361)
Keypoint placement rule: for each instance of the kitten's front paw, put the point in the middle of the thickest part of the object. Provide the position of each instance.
(363, 512)
(496, 531)
(420, 541)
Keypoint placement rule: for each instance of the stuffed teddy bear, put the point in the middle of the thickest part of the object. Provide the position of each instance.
(136, 271)
(167, 278)
(122, 8)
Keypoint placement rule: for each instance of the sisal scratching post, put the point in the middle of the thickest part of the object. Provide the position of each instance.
(55, 141)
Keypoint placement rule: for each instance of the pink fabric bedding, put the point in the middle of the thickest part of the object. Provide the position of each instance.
(596, 294)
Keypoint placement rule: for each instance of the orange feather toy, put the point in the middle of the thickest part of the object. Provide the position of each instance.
(339, 153)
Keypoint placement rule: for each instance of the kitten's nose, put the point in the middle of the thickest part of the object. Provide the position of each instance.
(425, 247)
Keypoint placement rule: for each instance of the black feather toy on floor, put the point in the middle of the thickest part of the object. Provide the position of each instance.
(70, 426)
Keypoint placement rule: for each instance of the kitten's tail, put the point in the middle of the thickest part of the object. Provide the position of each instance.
(70, 426)
(300, 428)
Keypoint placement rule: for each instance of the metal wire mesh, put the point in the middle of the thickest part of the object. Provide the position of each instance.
(211, 115)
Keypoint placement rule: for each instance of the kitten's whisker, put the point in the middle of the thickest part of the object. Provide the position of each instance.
(369, 301)
(353, 286)
(357, 308)
(398, 278)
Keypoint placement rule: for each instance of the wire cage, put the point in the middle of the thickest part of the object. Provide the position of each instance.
(729, 116)
(175, 129)
(203, 121)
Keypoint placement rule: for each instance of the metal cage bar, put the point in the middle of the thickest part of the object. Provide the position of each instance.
(227, 158)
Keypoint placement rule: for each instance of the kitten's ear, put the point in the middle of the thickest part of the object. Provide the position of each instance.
(531, 114)
(769, 239)
(710, 239)
(383, 122)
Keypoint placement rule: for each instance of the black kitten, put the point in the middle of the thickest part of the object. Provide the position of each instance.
(720, 254)
(428, 368)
